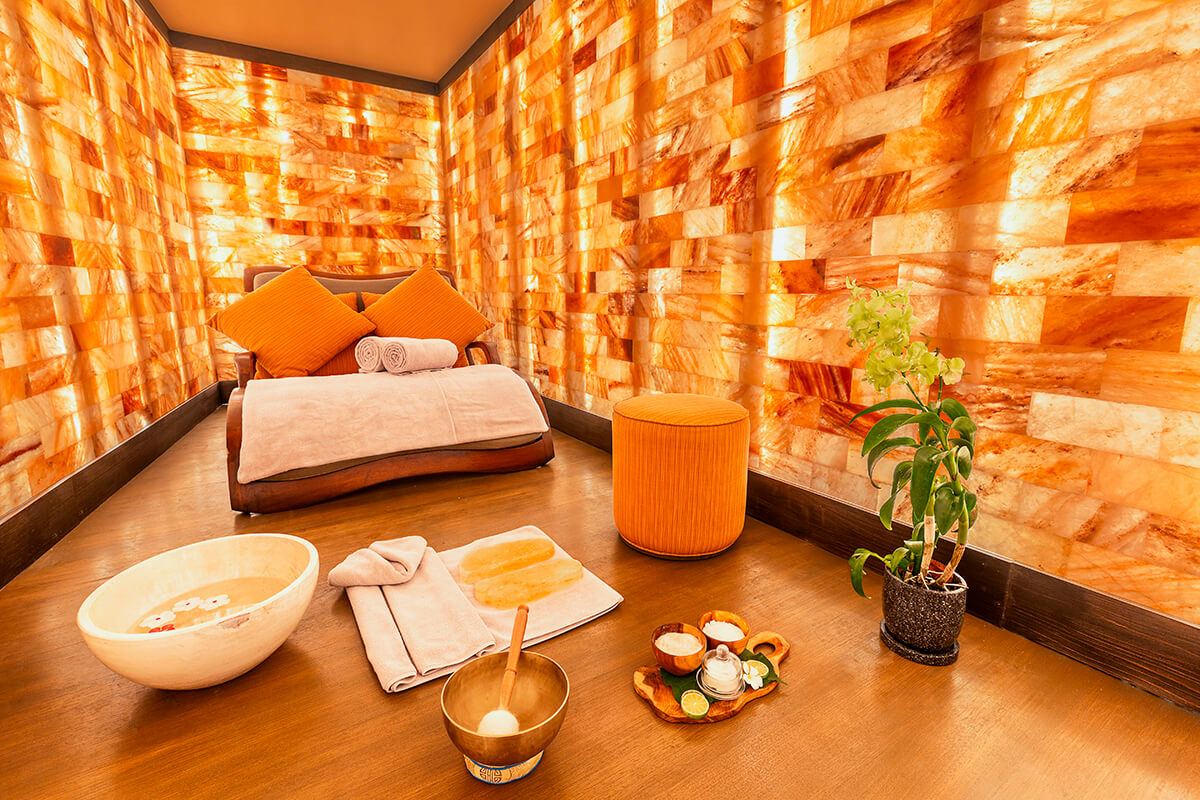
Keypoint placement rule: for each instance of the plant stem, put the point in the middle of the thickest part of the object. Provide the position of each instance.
(960, 546)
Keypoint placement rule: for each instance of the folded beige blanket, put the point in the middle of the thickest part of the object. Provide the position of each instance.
(427, 626)
(418, 628)
(398, 354)
(289, 423)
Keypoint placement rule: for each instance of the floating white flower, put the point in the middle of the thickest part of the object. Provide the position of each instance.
(213, 603)
(751, 675)
(191, 604)
(155, 620)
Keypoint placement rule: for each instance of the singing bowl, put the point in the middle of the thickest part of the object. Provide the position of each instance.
(211, 652)
(539, 702)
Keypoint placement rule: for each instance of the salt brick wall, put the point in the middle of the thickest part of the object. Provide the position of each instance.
(670, 196)
(289, 167)
(101, 301)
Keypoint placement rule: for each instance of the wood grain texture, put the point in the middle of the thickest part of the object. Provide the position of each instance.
(649, 685)
(1009, 719)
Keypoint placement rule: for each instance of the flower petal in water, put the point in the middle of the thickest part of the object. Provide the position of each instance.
(213, 603)
(191, 604)
(158, 620)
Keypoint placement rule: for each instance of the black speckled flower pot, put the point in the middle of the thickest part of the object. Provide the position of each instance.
(925, 623)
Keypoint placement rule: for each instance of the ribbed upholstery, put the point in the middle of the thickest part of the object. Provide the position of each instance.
(293, 324)
(344, 363)
(679, 473)
(424, 306)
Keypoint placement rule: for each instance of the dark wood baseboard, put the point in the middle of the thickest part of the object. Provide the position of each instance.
(1143, 647)
(32, 528)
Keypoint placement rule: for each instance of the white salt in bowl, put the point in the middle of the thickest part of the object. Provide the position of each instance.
(210, 652)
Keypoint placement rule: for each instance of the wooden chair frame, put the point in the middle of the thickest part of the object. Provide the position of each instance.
(266, 496)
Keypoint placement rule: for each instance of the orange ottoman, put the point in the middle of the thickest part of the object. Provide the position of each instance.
(679, 473)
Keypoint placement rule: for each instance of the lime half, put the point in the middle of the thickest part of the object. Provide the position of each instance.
(694, 704)
(757, 667)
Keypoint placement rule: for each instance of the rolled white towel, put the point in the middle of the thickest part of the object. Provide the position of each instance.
(402, 355)
(369, 354)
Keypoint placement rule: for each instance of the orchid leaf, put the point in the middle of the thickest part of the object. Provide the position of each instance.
(900, 403)
(883, 429)
(925, 464)
(882, 449)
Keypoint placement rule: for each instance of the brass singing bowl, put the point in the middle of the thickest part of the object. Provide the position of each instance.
(539, 702)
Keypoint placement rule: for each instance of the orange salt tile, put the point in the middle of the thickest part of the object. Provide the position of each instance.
(1166, 380)
(925, 146)
(1150, 96)
(1051, 464)
(838, 239)
(1097, 424)
(884, 27)
(1168, 489)
(1156, 211)
(1095, 163)
(920, 57)
(1138, 323)
(947, 273)
(992, 319)
(981, 180)
(924, 232)
(1070, 270)
(1169, 152)
(1053, 117)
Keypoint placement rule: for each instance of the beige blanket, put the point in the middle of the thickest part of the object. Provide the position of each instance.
(290, 423)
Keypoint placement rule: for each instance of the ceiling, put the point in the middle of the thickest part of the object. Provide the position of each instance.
(417, 38)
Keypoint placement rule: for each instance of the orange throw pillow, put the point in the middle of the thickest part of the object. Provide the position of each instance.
(343, 363)
(292, 324)
(425, 306)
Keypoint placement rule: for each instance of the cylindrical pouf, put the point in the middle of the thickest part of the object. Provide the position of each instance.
(679, 473)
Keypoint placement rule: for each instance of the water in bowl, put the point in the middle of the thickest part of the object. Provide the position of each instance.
(213, 601)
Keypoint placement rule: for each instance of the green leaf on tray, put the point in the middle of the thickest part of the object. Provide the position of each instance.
(678, 684)
(771, 675)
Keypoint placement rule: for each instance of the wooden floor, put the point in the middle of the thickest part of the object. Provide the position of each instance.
(1010, 719)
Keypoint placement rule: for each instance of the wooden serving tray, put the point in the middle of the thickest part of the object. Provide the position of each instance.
(648, 683)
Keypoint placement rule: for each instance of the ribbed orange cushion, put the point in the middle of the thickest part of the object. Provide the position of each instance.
(424, 306)
(292, 324)
(344, 363)
(679, 473)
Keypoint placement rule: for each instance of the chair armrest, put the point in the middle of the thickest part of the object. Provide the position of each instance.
(245, 363)
(484, 353)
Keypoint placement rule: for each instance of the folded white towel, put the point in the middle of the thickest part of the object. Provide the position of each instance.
(369, 354)
(402, 355)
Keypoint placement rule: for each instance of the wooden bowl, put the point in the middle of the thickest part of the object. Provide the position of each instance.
(737, 645)
(539, 702)
(210, 652)
(678, 665)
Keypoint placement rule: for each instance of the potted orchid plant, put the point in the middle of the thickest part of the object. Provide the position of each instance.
(923, 601)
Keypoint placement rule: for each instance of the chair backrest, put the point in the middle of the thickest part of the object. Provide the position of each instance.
(337, 282)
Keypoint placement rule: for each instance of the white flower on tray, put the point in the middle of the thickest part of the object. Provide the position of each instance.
(191, 604)
(753, 678)
(213, 603)
(157, 620)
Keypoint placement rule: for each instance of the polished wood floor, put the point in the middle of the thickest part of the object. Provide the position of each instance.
(1010, 719)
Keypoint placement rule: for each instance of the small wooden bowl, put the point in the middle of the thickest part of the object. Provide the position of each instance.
(678, 665)
(737, 645)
